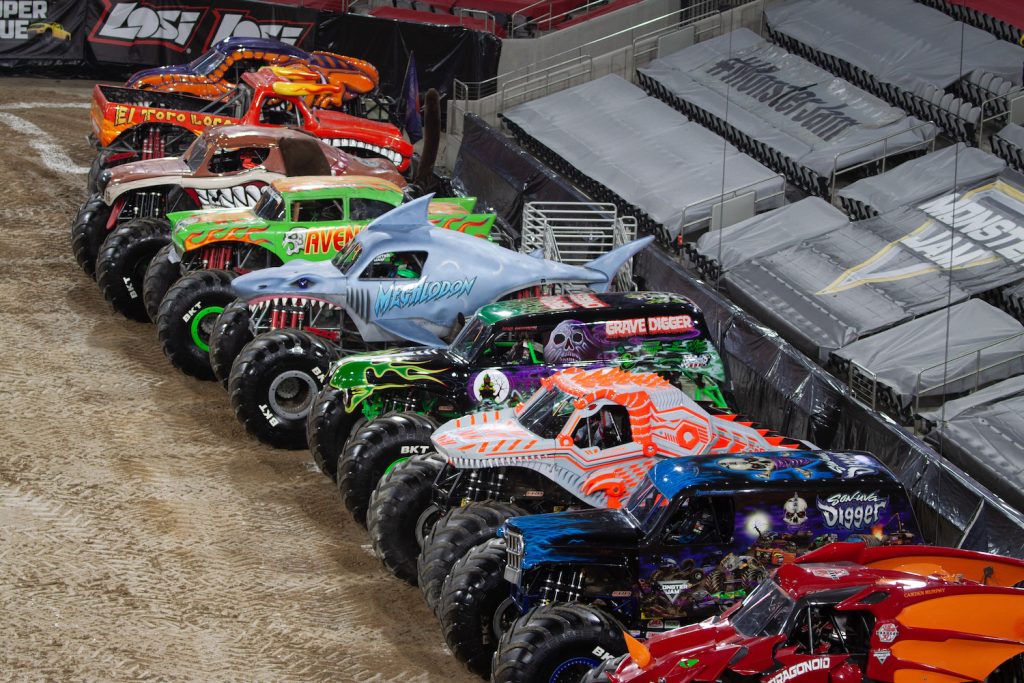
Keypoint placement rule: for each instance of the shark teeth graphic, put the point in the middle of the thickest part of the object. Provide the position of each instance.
(315, 305)
(240, 196)
(350, 144)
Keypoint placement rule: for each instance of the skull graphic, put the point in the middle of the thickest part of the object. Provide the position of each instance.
(758, 465)
(570, 342)
(294, 241)
(795, 511)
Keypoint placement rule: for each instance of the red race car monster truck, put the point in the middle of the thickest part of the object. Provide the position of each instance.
(132, 124)
(843, 614)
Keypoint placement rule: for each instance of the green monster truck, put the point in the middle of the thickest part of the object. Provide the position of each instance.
(188, 284)
(499, 359)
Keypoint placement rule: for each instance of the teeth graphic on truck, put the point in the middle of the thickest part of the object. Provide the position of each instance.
(229, 198)
(347, 143)
(315, 305)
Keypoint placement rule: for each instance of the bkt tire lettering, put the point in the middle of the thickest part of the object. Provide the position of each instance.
(191, 312)
(414, 450)
(130, 21)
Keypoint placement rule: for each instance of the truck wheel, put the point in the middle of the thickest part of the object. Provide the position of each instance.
(161, 274)
(274, 382)
(187, 316)
(395, 505)
(231, 332)
(475, 608)
(88, 232)
(370, 453)
(556, 643)
(329, 427)
(599, 674)
(123, 261)
(452, 537)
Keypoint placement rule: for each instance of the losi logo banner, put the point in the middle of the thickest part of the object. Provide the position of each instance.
(242, 24)
(128, 23)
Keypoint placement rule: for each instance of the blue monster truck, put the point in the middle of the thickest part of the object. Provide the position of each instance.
(399, 280)
(698, 534)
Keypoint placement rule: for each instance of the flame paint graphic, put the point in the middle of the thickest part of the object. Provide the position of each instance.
(408, 372)
(236, 234)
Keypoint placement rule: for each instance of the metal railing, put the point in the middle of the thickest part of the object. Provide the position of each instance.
(554, 71)
(708, 203)
(882, 159)
(577, 233)
(490, 22)
(867, 386)
(1002, 108)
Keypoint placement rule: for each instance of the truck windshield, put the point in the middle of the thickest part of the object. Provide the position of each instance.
(270, 207)
(208, 62)
(645, 503)
(346, 257)
(546, 415)
(764, 612)
(196, 154)
(470, 339)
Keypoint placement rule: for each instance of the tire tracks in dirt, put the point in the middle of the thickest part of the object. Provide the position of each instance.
(143, 536)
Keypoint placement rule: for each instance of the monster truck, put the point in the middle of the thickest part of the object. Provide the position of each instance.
(309, 218)
(219, 71)
(585, 439)
(845, 613)
(662, 559)
(130, 124)
(224, 168)
(398, 280)
(498, 359)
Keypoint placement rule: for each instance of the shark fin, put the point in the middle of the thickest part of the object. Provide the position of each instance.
(409, 216)
(610, 263)
(407, 329)
(536, 253)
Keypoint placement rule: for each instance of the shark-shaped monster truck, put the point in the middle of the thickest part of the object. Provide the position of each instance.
(399, 280)
(310, 218)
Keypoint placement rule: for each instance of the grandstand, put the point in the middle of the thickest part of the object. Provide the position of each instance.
(891, 256)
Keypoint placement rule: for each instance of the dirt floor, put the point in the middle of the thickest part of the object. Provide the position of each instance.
(143, 535)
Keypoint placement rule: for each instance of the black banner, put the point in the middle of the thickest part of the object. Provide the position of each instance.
(42, 30)
(443, 53)
(159, 32)
(120, 36)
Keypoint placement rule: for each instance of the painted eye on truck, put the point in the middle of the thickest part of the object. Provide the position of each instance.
(302, 283)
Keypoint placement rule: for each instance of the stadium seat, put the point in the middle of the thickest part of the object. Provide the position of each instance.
(437, 18)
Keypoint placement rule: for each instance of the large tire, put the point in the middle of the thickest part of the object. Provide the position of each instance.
(230, 335)
(379, 445)
(475, 608)
(274, 382)
(556, 643)
(123, 261)
(161, 274)
(454, 534)
(329, 427)
(395, 506)
(88, 232)
(187, 316)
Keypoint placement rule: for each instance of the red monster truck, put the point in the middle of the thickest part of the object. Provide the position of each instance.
(131, 124)
(843, 614)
